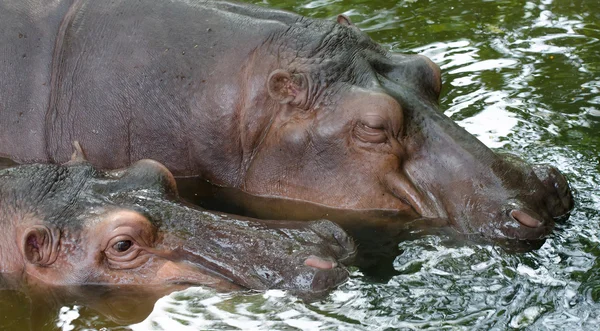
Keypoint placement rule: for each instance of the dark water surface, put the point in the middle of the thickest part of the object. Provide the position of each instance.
(524, 76)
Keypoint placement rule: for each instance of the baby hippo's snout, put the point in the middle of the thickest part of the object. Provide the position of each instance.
(305, 258)
(341, 244)
(328, 271)
(326, 248)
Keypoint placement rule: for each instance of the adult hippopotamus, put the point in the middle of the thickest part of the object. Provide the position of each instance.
(266, 101)
(72, 225)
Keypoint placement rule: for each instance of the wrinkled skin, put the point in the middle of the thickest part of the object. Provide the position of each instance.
(265, 101)
(71, 225)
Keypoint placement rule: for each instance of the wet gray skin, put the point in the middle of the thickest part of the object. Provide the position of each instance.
(260, 100)
(72, 225)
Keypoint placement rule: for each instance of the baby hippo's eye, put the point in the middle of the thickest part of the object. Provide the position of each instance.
(122, 246)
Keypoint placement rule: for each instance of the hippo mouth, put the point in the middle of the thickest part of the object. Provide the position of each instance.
(305, 258)
(320, 274)
(525, 219)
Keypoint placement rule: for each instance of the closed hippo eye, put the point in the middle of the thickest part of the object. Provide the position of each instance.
(377, 120)
(370, 133)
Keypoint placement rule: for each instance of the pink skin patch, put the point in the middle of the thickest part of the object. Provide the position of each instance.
(525, 219)
(319, 263)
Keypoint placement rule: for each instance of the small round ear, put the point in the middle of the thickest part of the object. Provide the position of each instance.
(39, 246)
(287, 88)
(78, 156)
(148, 174)
(344, 20)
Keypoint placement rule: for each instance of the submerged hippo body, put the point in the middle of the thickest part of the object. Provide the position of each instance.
(262, 100)
(72, 225)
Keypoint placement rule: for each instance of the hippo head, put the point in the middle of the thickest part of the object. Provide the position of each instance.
(69, 225)
(353, 126)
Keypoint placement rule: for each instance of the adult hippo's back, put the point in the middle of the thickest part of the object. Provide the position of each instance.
(266, 101)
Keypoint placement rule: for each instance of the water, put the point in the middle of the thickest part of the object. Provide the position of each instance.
(522, 76)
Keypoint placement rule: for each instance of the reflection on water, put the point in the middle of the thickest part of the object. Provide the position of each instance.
(523, 77)
(198, 309)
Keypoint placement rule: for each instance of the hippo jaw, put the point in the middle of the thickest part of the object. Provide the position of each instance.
(78, 226)
(352, 126)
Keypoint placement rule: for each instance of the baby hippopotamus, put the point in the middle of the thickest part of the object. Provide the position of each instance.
(71, 225)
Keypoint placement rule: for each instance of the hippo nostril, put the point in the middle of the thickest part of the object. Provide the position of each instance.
(556, 182)
(341, 244)
(525, 219)
(316, 262)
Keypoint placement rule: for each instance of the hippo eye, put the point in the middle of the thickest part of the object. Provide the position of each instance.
(122, 246)
(369, 133)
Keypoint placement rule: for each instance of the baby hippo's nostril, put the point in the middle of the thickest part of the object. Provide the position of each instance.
(525, 219)
(319, 263)
(341, 244)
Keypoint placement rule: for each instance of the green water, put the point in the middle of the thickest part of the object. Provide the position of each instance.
(524, 77)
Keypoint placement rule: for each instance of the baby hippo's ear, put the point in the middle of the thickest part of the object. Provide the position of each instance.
(285, 87)
(40, 245)
(344, 20)
(78, 156)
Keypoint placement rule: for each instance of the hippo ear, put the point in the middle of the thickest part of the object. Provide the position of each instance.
(78, 156)
(40, 245)
(344, 20)
(285, 87)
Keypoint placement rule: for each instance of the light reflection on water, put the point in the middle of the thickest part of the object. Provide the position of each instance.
(199, 309)
(523, 78)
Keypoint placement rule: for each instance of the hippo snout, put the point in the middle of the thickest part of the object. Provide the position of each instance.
(515, 201)
(532, 215)
(535, 216)
(560, 200)
(305, 258)
(340, 243)
(330, 249)
(324, 268)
